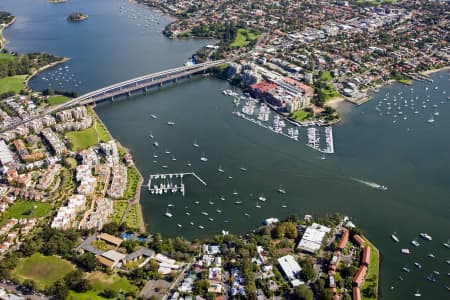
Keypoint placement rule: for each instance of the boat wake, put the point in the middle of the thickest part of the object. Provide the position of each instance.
(373, 185)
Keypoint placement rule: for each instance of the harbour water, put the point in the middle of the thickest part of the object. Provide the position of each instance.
(409, 156)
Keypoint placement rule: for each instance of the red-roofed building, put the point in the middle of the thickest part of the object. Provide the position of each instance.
(356, 293)
(358, 240)
(366, 256)
(260, 89)
(344, 239)
(360, 275)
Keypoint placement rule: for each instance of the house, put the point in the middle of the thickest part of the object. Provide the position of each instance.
(110, 239)
(140, 253)
(111, 258)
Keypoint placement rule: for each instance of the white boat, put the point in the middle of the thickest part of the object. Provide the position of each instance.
(211, 219)
(168, 214)
(431, 255)
(405, 251)
(415, 243)
(197, 202)
(257, 204)
(220, 169)
(419, 266)
(154, 117)
(284, 206)
(243, 169)
(222, 198)
(447, 245)
(170, 205)
(151, 135)
(167, 152)
(406, 269)
(431, 119)
(417, 294)
(210, 202)
(156, 144)
(188, 214)
(170, 123)
(204, 213)
(262, 198)
(154, 155)
(235, 193)
(394, 237)
(426, 236)
(218, 211)
(195, 144)
(192, 223)
(281, 190)
(237, 202)
(173, 158)
(436, 272)
(189, 164)
(246, 214)
(164, 166)
(201, 227)
(203, 158)
(179, 225)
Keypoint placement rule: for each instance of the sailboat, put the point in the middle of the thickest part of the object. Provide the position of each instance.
(417, 294)
(150, 134)
(447, 245)
(281, 190)
(257, 204)
(431, 119)
(394, 237)
(168, 214)
(220, 169)
(203, 158)
(195, 144)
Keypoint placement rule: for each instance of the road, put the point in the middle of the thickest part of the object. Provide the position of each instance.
(12, 288)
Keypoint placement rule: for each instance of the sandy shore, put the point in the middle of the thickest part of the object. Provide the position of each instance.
(335, 102)
(4, 41)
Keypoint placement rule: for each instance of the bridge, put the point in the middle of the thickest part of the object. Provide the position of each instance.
(127, 88)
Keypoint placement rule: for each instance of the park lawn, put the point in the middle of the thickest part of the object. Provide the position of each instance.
(84, 139)
(57, 99)
(132, 219)
(119, 210)
(405, 81)
(43, 270)
(243, 38)
(300, 115)
(6, 57)
(133, 180)
(26, 209)
(89, 295)
(329, 92)
(372, 276)
(12, 84)
(101, 281)
(325, 76)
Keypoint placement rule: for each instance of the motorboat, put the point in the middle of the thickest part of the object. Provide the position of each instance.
(171, 123)
(154, 117)
(168, 214)
(201, 227)
(262, 198)
(156, 144)
(281, 190)
(218, 211)
(394, 237)
(237, 202)
(419, 266)
(203, 158)
(179, 225)
(284, 206)
(406, 269)
(151, 135)
(415, 243)
(243, 169)
(167, 152)
(417, 294)
(204, 213)
(431, 255)
(257, 204)
(426, 236)
(222, 198)
(211, 219)
(405, 251)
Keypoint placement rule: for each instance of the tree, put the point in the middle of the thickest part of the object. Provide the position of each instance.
(201, 287)
(86, 261)
(29, 284)
(290, 230)
(75, 281)
(59, 290)
(307, 273)
(302, 292)
(109, 293)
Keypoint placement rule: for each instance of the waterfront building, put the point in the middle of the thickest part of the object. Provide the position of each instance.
(312, 238)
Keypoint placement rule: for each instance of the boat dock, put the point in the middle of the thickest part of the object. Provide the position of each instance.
(171, 182)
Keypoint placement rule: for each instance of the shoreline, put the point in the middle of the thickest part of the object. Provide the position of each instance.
(3, 40)
(41, 69)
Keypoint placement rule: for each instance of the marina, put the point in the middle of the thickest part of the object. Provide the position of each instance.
(171, 182)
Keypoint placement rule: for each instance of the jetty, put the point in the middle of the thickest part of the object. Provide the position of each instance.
(159, 184)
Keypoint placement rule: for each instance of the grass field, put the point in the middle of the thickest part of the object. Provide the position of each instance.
(133, 179)
(329, 92)
(44, 270)
(26, 209)
(84, 139)
(101, 281)
(57, 99)
(119, 210)
(300, 115)
(6, 58)
(243, 38)
(132, 219)
(12, 84)
(372, 276)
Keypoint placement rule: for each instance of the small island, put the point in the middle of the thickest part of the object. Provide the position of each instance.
(77, 16)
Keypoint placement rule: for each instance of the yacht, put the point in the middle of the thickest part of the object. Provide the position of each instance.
(170, 123)
(167, 152)
(156, 144)
(426, 236)
(154, 117)
(417, 294)
(222, 198)
(284, 206)
(179, 225)
(204, 213)
(211, 219)
(218, 211)
(195, 144)
(415, 243)
(168, 214)
(220, 169)
(431, 255)
(262, 198)
(210, 202)
(394, 237)
(419, 266)
(405, 251)
(243, 169)
(203, 158)
(281, 190)
(201, 227)
(188, 214)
